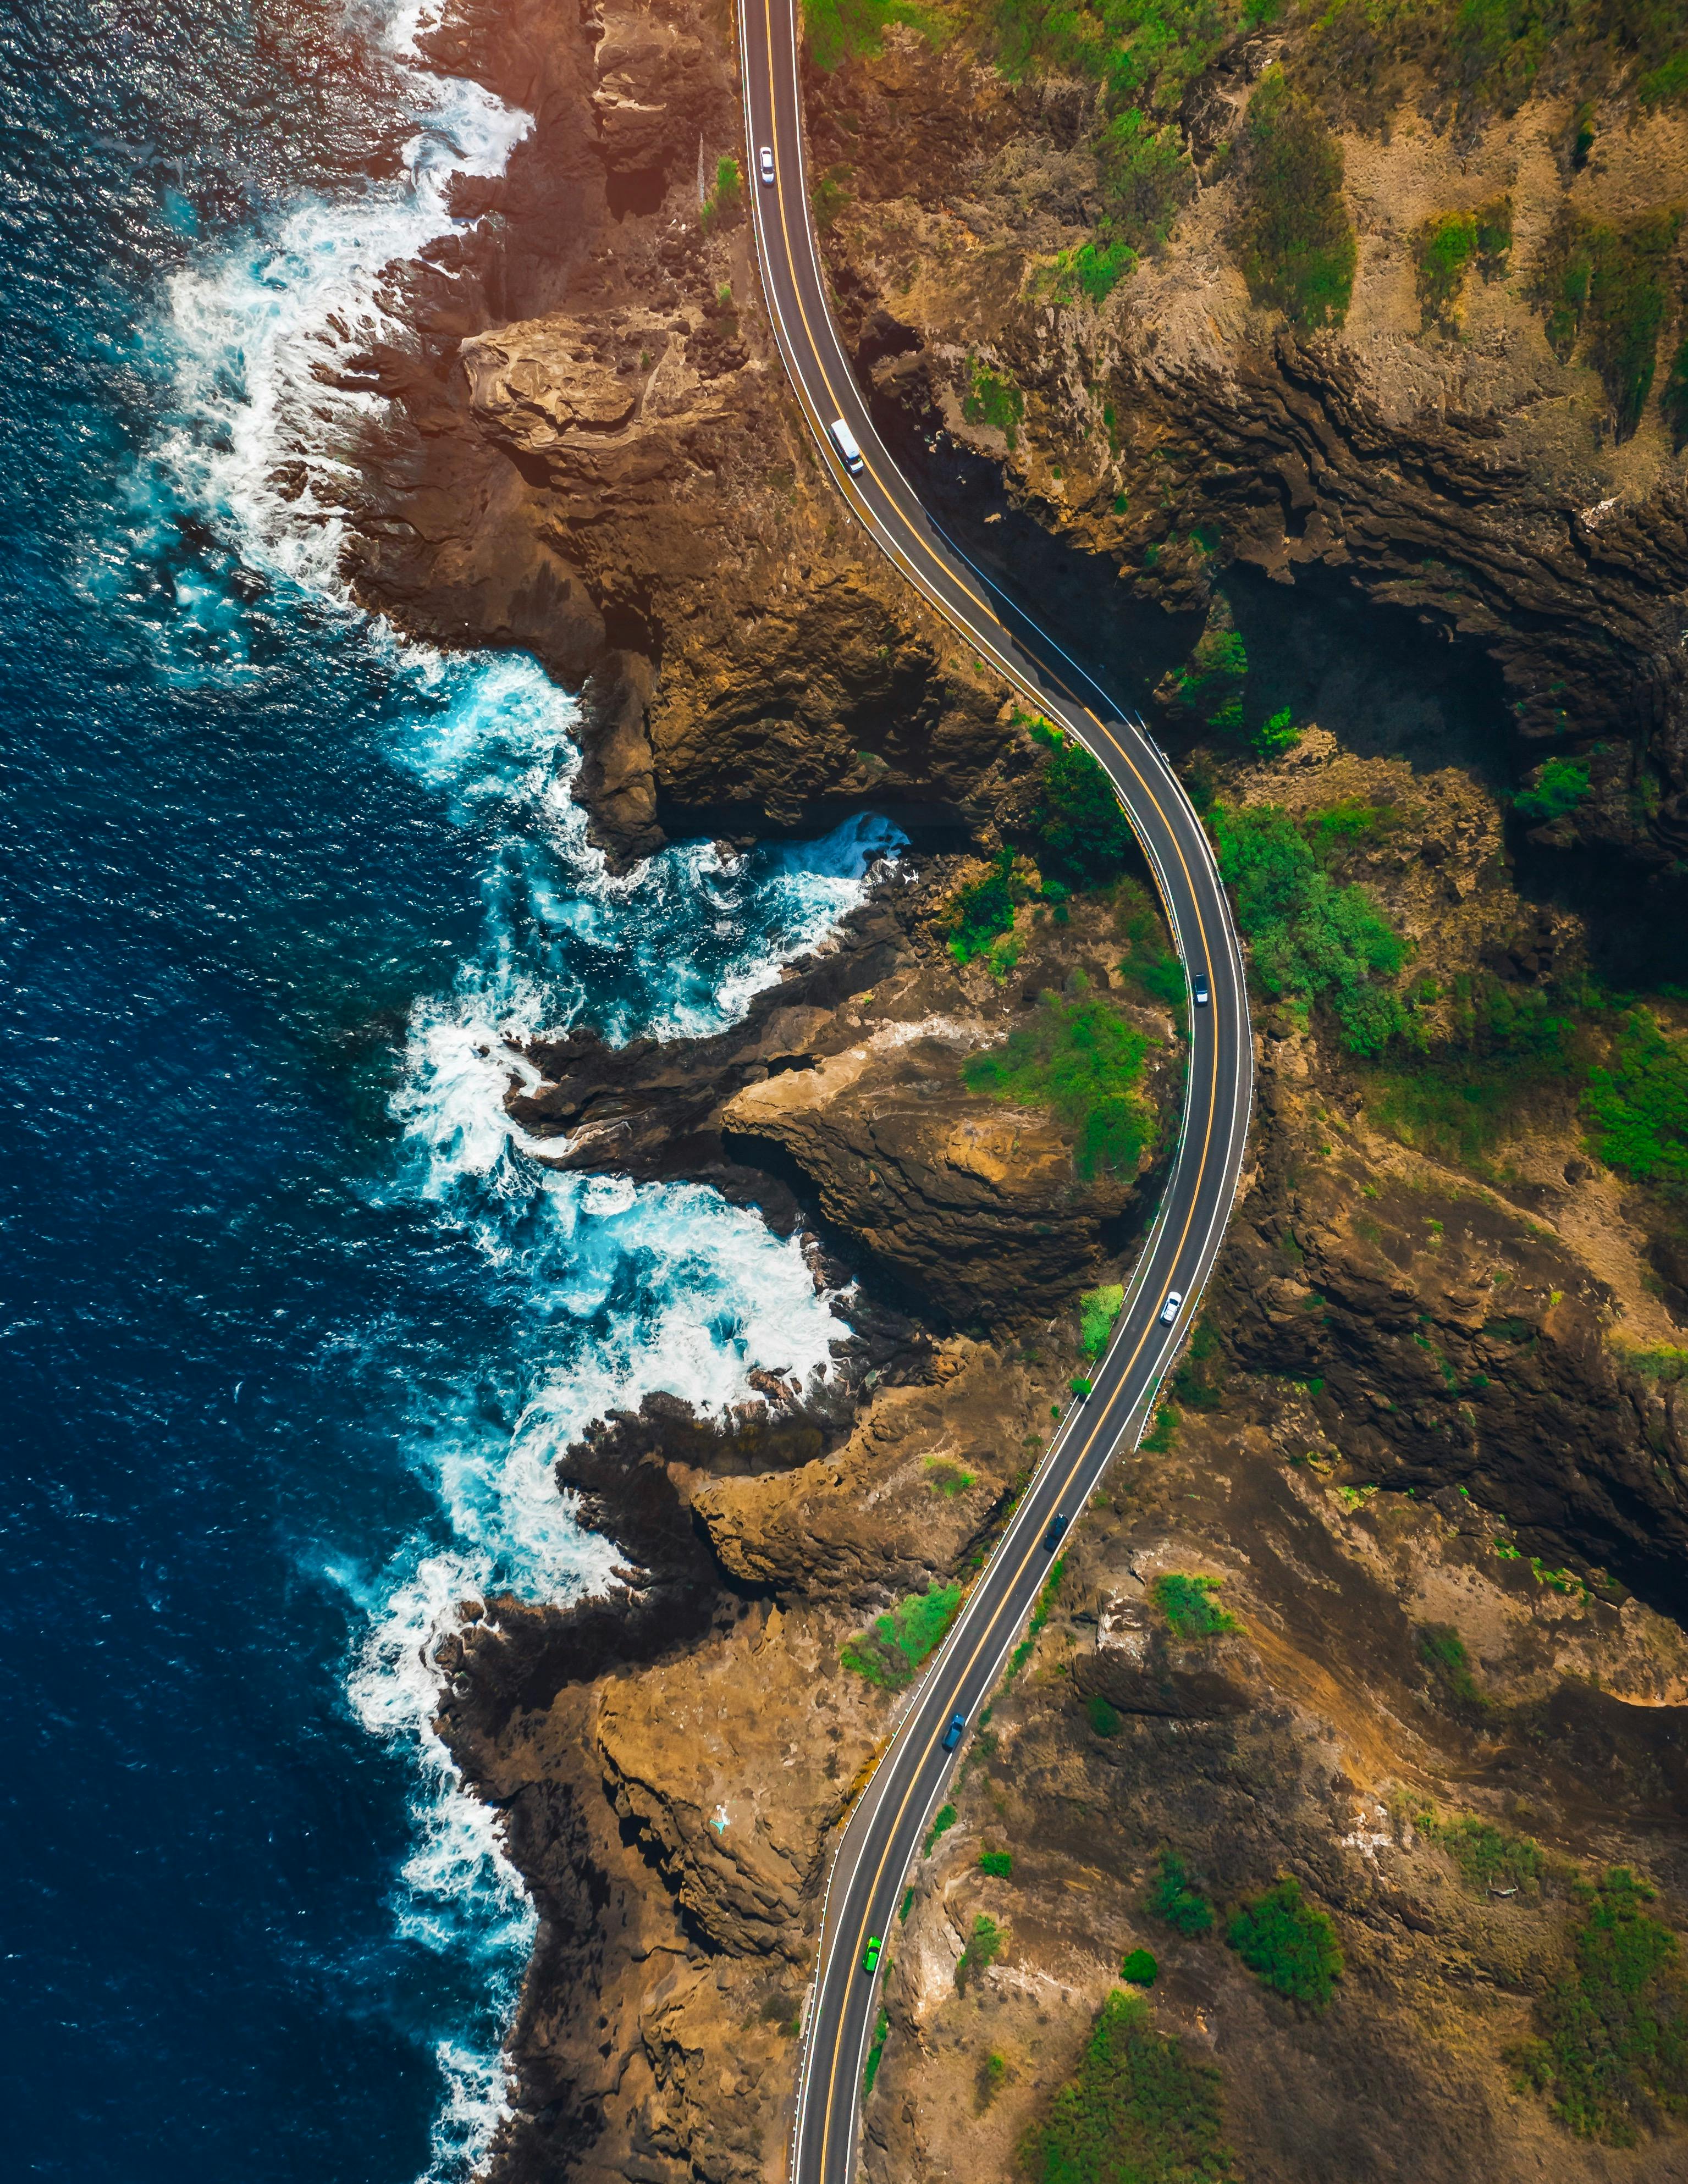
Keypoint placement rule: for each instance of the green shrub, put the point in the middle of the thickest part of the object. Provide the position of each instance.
(1297, 250)
(1146, 177)
(993, 2076)
(1638, 1105)
(947, 1477)
(1097, 266)
(1102, 1716)
(1443, 250)
(941, 1825)
(1082, 834)
(1277, 735)
(984, 910)
(1287, 1943)
(998, 1863)
(1136, 2111)
(1160, 1437)
(1611, 2050)
(1176, 1901)
(889, 1654)
(1312, 940)
(1140, 1968)
(1190, 1605)
(1561, 785)
(1210, 683)
(992, 400)
(726, 200)
(984, 1947)
(1082, 1063)
(1606, 289)
(1488, 1857)
(877, 2052)
(1098, 1310)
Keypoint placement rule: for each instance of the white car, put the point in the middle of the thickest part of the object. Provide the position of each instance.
(1169, 1310)
(765, 165)
(844, 441)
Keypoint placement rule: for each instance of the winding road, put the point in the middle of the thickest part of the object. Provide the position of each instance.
(883, 1833)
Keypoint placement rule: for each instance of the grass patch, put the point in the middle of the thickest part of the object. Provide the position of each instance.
(1289, 1944)
(1160, 1436)
(1199, 1381)
(1296, 245)
(1611, 2050)
(1080, 1061)
(1443, 1652)
(984, 1947)
(1136, 2111)
(1508, 1046)
(1312, 939)
(1637, 1106)
(1190, 1605)
(992, 2077)
(1082, 836)
(889, 1654)
(993, 400)
(1148, 962)
(1447, 247)
(1146, 178)
(948, 1477)
(838, 31)
(1103, 1718)
(1175, 1900)
(1605, 290)
(943, 1821)
(724, 203)
(1487, 1858)
(875, 2053)
(1098, 1310)
(998, 1863)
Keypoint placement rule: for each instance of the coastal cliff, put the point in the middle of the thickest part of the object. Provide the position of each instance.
(1382, 1629)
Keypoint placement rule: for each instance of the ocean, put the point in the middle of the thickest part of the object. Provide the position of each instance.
(295, 1325)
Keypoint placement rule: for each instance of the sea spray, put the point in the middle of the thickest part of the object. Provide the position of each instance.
(605, 1291)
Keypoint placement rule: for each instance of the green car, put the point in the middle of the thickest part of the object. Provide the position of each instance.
(870, 1955)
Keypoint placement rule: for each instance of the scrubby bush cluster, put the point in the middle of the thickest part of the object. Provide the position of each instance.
(1287, 1943)
(889, 1652)
(1190, 1605)
(1137, 2109)
(1637, 1105)
(1296, 245)
(1176, 1901)
(1080, 1060)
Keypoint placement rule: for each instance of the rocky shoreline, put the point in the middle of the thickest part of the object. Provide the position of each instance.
(1413, 1452)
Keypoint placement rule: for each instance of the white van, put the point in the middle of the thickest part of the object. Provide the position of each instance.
(844, 441)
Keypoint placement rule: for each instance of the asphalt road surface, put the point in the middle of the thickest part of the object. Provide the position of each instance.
(884, 1832)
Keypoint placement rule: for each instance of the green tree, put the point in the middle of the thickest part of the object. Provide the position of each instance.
(1082, 834)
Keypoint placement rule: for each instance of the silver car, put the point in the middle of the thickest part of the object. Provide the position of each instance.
(1169, 1310)
(765, 165)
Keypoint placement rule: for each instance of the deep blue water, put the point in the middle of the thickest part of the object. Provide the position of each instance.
(294, 1329)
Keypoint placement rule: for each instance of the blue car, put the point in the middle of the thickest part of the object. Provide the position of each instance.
(952, 1736)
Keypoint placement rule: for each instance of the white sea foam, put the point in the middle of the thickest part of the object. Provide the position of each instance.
(612, 1289)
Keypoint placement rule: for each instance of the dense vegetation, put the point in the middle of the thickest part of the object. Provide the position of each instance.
(1296, 242)
(1083, 835)
(1140, 1968)
(1606, 289)
(1098, 1310)
(1560, 786)
(1147, 962)
(892, 1649)
(1288, 1943)
(1510, 1046)
(1144, 52)
(1190, 1605)
(1137, 2111)
(1082, 1063)
(1312, 940)
(838, 30)
(984, 910)
(1611, 2050)
(1174, 1898)
(1638, 1106)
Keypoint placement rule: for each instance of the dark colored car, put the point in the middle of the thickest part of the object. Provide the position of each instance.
(1198, 987)
(952, 1736)
(1057, 1533)
(870, 1955)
